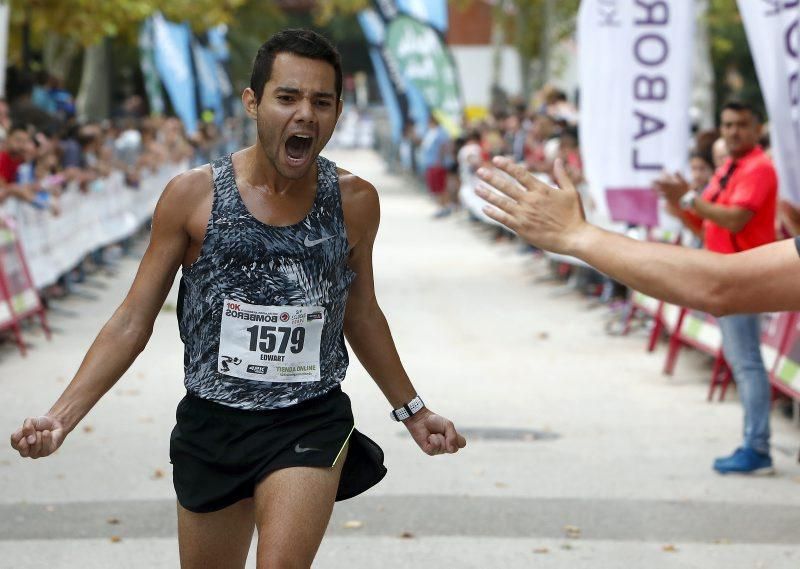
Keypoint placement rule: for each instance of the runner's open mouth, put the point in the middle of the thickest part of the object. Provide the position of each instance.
(298, 147)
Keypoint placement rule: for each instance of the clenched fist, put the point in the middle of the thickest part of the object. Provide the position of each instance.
(38, 436)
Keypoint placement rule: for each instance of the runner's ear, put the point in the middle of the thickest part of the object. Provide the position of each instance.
(250, 102)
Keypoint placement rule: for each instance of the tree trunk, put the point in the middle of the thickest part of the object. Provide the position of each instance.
(59, 54)
(523, 20)
(703, 71)
(498, 44)
(497, 95)
(26, 39)
(94, 96)
(546, 47)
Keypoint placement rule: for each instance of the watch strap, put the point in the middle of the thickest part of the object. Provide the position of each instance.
(687, 200)
(409, 409)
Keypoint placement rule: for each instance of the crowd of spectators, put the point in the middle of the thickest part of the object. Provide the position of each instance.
(47, 151)
(536, 134)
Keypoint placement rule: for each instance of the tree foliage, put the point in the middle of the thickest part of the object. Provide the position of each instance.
(734, 71)
(325, 12)
(255, 20)
(528, 21)
(533, 27)
(89, 21)
(86, 22)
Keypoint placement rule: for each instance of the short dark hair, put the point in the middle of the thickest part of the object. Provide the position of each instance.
(474, 134)
(742, 106)
(302, 42)
(705, 156)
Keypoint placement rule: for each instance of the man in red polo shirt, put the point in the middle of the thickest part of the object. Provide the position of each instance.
(737, 212)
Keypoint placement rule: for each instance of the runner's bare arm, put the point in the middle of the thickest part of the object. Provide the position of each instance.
(759, 280)
(366, 327)
(126, 333)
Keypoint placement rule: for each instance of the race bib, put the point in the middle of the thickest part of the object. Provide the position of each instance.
(270, 343)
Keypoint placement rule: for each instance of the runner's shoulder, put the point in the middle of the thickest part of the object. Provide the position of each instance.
(358, 195)
(189, 188)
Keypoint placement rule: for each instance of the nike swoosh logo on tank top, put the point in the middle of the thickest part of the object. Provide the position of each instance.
(311, 242)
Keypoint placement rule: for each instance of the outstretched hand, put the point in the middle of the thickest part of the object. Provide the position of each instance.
(433, 433)
(38, 437)
(544, 216)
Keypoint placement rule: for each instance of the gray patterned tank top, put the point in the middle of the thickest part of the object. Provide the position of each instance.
(245, 262)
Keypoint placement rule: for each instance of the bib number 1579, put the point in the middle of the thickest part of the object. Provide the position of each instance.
(269, 339)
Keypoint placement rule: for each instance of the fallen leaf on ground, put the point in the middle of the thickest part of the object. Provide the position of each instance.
(573, 532)
(567, 546)
(406, 535)
(669, 548)
(115, 539)
(541, 550)
(88, 429)
(722, 541)
(112, 521)
(543, 335)
(158, 473)
(353, 524)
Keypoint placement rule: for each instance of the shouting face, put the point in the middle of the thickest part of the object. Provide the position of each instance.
(297, 112)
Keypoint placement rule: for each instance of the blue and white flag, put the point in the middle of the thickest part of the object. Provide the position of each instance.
(152, 84)
(402, 98)
(173, 61)
(208, 80)
(218, 42)
(431, 12)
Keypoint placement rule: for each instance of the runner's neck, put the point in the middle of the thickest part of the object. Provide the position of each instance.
(258, 171)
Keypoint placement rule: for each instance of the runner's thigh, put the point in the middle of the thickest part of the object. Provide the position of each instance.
(218, 539)
(293, 507)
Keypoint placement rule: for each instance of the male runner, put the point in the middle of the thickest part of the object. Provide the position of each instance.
(276, 248)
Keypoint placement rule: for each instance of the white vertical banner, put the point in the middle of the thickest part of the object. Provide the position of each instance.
(5, 9)
(635, 70)
(773, 32)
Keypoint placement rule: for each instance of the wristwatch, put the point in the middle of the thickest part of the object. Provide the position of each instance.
(687, 200)
(409, 409)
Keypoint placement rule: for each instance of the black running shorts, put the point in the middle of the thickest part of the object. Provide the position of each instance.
(220, 453)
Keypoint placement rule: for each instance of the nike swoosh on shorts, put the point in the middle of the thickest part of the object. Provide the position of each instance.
(311, 242)
(298, 449)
